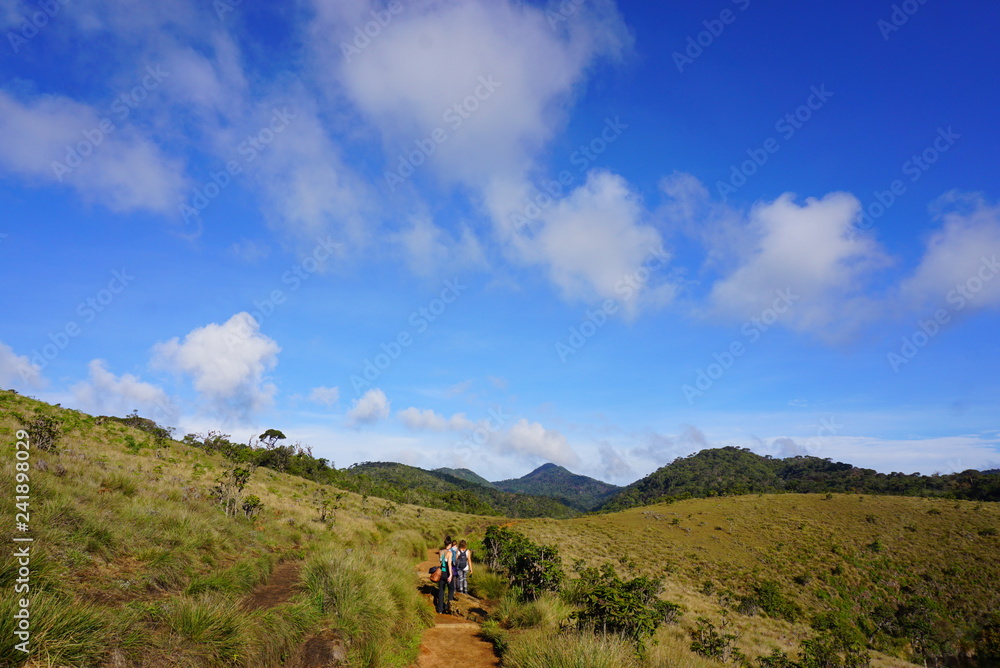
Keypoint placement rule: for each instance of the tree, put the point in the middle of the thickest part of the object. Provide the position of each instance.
(270, 437)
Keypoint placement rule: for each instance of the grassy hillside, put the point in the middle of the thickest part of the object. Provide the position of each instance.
(730, 470)
(134, 561)
(865, 565)
(576, 491)
(467, 475)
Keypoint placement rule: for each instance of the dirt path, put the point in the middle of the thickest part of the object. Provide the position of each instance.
(278, 589)
(454, 640)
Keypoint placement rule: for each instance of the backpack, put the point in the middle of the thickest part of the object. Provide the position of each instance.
(463, 560)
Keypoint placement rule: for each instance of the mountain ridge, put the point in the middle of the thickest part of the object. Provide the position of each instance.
(573, 489)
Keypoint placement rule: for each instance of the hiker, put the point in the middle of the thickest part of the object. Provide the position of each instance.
(452, 582)
(446, 564)
(463, 567)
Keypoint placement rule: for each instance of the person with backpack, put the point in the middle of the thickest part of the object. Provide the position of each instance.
(463, 567)
(453, 548)
(447, 565)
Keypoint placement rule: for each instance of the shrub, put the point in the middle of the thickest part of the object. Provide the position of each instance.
(767, 597)
(533, 568)
(43, 433)
(716, 643)
(629, 608)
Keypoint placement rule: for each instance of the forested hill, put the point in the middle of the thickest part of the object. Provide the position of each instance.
(731, 470)
(577, 491)
(409, 484)
(467, 475)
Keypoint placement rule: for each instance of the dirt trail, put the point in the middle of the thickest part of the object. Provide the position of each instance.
(278, 589)
(454, 640)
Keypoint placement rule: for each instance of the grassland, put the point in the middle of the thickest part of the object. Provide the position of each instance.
(837, 555)
(134, 564)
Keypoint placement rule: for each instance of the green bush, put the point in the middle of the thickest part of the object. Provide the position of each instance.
(767, 598)
(487, 584)
(533, 568)
(628, 608)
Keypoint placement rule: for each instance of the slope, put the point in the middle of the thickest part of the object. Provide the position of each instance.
(913, 577)
(577, 491)
(143, 554)
(465, 474)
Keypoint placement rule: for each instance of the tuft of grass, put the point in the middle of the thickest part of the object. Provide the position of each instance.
(63, 631)
(211, 625)
(538, 649)
(382, 617)
(487, 584)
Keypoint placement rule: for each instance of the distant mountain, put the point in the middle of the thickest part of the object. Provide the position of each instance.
(731, 471)
(576, 491)
(467, 475)
(436, 489)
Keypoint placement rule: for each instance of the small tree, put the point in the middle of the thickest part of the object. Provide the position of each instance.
(270, 438)
(229, 489)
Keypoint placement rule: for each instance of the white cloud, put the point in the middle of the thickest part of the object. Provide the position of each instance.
(809, 250)
(370, 408)
(227, 364)
(431, 250)
(532, 440)
(411, 74)
(428, 420)
(327, 396)
(961, 258)
(17, 371)
(105, 393)
(122, 170)
(250, 251)
(595, 244)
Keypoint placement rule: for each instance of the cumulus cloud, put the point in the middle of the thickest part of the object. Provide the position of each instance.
(371, 407)
(327, 396)
(227, 364)
(810, 252)
(17, 371)
(123, 170)
(594, 242)
(431, 250)
(428, 420)
(532, 440)
(961, 258)
(405, 81)
(106, 393)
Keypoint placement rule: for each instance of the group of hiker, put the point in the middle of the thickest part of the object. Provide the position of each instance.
(455, 566)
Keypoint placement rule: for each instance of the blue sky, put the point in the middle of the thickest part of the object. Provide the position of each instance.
(494, 234)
